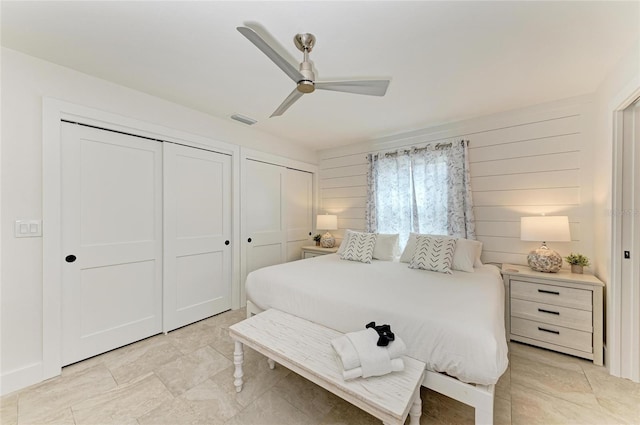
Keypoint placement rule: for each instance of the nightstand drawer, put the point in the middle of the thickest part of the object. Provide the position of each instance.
(554, 295)
(552, 314)
(558, 335)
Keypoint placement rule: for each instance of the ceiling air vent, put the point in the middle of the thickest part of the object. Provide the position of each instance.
(243, 119)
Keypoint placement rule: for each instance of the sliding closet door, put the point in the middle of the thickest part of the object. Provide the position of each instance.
(111, 240)
(298, 212)
(263, 225)
(197, 234)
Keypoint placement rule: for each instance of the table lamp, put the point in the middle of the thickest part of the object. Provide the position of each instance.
(327, 222)
(544, 229)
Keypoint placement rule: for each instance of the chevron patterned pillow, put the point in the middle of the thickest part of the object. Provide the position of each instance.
(359, 247)
(433, 253)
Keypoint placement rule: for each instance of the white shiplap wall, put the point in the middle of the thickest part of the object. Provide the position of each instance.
(522, 163)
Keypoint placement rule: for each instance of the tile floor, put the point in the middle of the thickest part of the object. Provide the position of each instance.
(186, 377)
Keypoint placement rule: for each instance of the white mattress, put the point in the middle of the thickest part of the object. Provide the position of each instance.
(453, 323)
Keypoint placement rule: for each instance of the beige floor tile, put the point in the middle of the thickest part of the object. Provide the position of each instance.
(312, 399)
(212, 403)
(344, 413)
(271, 409)
(51, 397)
(9, 409)
(620, 397)
(258, 378)
(61, 417)
(532, 407)
(123, 404)
(502, 411)
(193, 337)
(133, 361)
(503, 387)
(192, 369)
(548, 357)
(174, 412)
(442, 410)
(558, 382)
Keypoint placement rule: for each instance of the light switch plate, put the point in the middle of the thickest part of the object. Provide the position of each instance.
(28, 228)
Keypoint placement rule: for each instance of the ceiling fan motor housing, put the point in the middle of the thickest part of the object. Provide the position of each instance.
(306, 85)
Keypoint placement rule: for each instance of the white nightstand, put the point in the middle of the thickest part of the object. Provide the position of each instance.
(558, 311)
(315, 251)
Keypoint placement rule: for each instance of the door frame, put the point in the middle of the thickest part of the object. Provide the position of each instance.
(53, 111)
(615, 345)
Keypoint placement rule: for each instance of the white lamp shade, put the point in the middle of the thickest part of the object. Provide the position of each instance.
(545, 228)
(327, 222)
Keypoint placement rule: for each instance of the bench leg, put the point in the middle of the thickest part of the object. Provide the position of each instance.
(272, 364)
(238, 359)
(416, 410)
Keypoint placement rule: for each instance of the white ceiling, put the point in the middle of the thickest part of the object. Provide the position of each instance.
(446, 60)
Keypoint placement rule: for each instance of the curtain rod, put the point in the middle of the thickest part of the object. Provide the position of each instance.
(428, 146)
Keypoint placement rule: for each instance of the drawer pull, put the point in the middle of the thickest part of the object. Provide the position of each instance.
(543, 291)
(542, 310)
(548, 330)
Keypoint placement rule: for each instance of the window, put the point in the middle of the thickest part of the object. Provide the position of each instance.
(420, 190)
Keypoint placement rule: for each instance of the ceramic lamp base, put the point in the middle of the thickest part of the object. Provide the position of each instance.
(545, 260)
(327, 240)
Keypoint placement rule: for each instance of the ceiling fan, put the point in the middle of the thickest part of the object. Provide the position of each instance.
(305, 78)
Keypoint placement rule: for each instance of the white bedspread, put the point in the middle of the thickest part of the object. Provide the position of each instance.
(453, 323)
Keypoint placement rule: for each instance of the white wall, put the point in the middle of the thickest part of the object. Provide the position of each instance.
(25, 80)
(524, 162)
(616, 90)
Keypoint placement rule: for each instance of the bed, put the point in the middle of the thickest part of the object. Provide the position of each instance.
(452, 322)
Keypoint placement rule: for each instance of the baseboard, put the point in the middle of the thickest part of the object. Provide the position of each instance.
(20, 378)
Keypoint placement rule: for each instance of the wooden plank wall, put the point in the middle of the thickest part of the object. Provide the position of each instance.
(525, 163)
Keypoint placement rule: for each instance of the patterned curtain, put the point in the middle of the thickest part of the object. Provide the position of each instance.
(424, 190)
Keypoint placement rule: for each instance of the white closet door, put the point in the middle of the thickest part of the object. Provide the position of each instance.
(112, 240)
(197, 232)
(299, 211)
(263, 223)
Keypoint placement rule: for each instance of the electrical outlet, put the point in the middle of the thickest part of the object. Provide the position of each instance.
(28, 228)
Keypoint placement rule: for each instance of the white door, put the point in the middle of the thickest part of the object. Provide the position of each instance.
(298, 211)
(197, 233)
(263, 224)
(630, 240)
(112, 240)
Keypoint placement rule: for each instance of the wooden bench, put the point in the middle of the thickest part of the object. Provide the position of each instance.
(304, 347)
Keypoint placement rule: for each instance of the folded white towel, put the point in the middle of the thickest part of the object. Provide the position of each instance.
(397, 365)
(349, 355)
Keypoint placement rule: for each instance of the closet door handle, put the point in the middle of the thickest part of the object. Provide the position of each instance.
(542, 291)
(309, 233)
(70, 258)
(249, 240)
(226, 242)
(542, 310)
(548, 330)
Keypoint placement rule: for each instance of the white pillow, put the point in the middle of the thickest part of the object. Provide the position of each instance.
(465, 255)
(409, 249)
(386, 248)
(478, 262)
(359, 247)
(345, 240)
(458, 260)
(434, 253)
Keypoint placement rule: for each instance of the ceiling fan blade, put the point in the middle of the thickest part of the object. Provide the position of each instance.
(290, 100)
(282, 63)
(367, 87)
